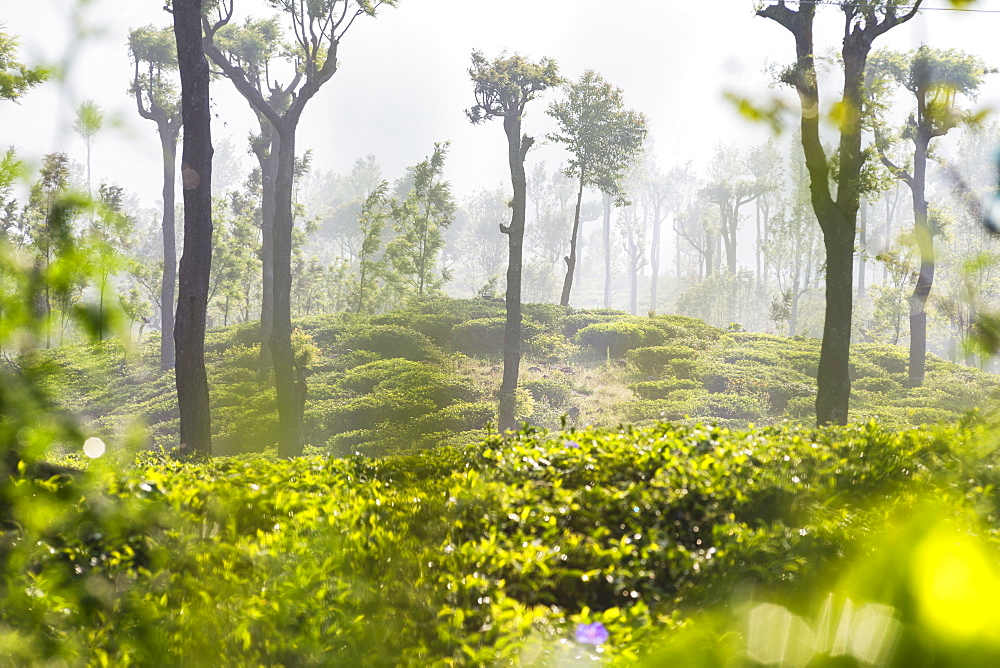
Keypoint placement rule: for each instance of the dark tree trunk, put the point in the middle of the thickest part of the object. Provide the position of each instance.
(517, 148)
(266, 150)
(832, 379)
(925, 279)
(196, 261)
(289, 381)
(837, 216)
(862, 248)
(571, 260)
(607, 251)
(168, 143)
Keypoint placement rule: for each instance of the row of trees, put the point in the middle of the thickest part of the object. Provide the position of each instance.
(392, 243)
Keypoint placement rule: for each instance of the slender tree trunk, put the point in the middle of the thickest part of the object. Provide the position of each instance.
(607, 251)
(654, 258)
(862, 247)
(710, 243)
(168, 144)
(925, 279)
(196, 261)
(517, 148)
(729, 236)
(633, 279)
(289, 381)
(678, 259)
(571, 260)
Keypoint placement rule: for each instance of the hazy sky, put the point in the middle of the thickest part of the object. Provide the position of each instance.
(403, 85)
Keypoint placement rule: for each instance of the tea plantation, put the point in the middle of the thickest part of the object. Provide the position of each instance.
(693, 538)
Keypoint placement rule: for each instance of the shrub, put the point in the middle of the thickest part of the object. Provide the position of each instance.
(483, 337)
(553, 392)
(618, 337)
(390, 341)
(662, 389)
(577, 320)
(549, 348)
(652, 360)
(881, 385)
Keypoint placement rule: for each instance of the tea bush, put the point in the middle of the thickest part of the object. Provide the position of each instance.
(389, 341)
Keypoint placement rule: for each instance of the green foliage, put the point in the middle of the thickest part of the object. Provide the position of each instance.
(616, 338)
(15, 77)
(654, 360)
(504, 86)
(389, 341)
(420, 220)
(602, 137)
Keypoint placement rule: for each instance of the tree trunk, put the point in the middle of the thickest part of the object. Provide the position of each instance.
(168, 144)
(607, 251)
(654, 258)
(289, 382)
(517, 148)
(729, 235)
(832, 380)
(862, 247)
(925, 279)
(710, 243)
(267, 150)
(571, 260)
(633, 282)
(196, 261)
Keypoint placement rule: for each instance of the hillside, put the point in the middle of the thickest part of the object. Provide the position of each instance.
(604, 545)
(427, 375)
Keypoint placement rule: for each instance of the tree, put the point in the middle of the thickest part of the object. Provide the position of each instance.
(603, 138)
(16, 78)
(837, 213)
(764, 164)
(154, 53)
(731, 187)
(421, 218)
(47, 229)
(792, 250)
(88, 124)
(196, 258)
(318, 28)
(503, 87)
(110, 235)
(477, 248)
(256, 48)
(935, 79)
(374, 214)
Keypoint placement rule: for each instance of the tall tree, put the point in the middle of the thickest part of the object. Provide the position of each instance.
(318, 28)
(154, 53)
(47, 228)
(374, 213)
(603, 137)
(935, 79)
(110, 236)
(421, 218)
(503, 87)
(764, 164)
(837, 213)
(731, 187)
(196, 259)
(256, 47)
(88, 124)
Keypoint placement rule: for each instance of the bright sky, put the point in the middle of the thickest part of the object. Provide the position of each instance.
(403, 83)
